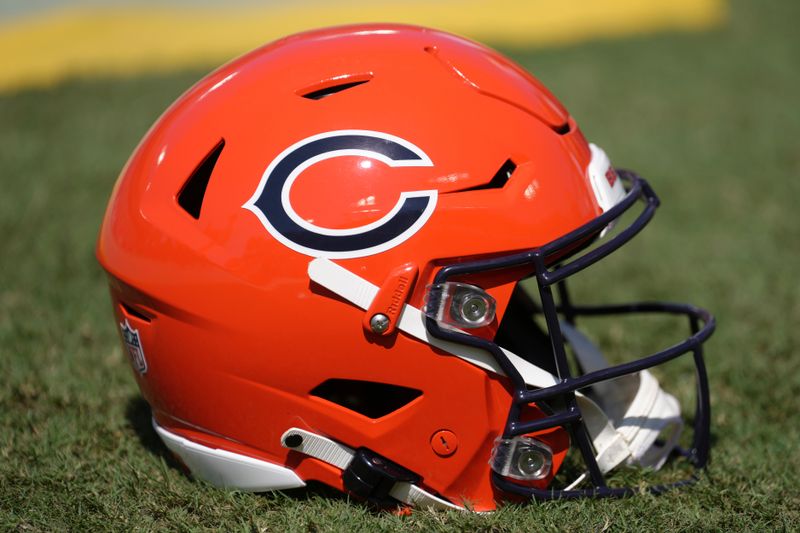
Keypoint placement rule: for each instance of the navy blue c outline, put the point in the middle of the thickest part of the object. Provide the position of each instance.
(270, 201)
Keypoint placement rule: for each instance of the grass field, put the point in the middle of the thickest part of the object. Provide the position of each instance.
(711, 119)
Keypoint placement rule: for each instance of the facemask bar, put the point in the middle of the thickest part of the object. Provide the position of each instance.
(701, 323)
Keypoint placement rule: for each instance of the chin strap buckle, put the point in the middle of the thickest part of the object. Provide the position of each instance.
(373, 477)
(364, 472)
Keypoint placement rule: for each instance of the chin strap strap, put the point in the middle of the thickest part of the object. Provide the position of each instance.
(340, 456)
(361, 292)
(634, 408)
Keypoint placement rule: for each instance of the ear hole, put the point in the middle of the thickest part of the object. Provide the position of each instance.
(191, 196)
(318, 91)
(368, 398)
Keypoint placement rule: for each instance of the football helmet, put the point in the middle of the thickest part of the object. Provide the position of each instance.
(316, 259)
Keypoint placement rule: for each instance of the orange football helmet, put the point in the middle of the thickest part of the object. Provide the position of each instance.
(314, 259)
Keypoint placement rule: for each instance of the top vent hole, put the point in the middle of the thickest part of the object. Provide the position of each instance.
(318, 92)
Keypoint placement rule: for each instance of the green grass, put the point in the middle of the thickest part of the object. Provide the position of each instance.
(711, 119)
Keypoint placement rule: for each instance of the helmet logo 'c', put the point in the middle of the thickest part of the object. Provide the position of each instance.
(271, 204)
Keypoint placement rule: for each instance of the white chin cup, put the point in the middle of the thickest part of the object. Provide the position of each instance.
(636, 407)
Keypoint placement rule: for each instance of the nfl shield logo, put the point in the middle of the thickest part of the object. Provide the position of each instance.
(134, 344)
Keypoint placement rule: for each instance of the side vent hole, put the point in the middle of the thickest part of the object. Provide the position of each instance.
(499, 179)
(322, 90)
(373, 400)
(133, 312)
(194, 190)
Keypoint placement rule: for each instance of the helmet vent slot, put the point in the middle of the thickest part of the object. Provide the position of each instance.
(368, 398)
(133, 312)
(333, 86)
(562, 129)
(499, 179)
(194, 190)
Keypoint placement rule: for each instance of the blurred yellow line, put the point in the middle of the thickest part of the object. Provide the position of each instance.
(80, 42)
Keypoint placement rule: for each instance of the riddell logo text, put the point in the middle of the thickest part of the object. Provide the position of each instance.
(611, 176)
(398, 296)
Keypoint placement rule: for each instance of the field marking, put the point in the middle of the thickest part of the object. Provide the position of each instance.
(46, 48)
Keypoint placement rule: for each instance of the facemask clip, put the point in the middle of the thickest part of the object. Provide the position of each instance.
(459, 305)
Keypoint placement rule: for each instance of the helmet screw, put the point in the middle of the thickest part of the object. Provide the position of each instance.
(444, 443)
(379, 323)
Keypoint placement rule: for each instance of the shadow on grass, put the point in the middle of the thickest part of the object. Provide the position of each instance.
(312, 491)
(137, 412)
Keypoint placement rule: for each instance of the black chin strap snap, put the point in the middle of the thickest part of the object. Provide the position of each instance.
(371, 476)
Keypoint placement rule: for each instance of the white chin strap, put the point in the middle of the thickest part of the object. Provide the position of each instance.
(624, 421)
(341, 456)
